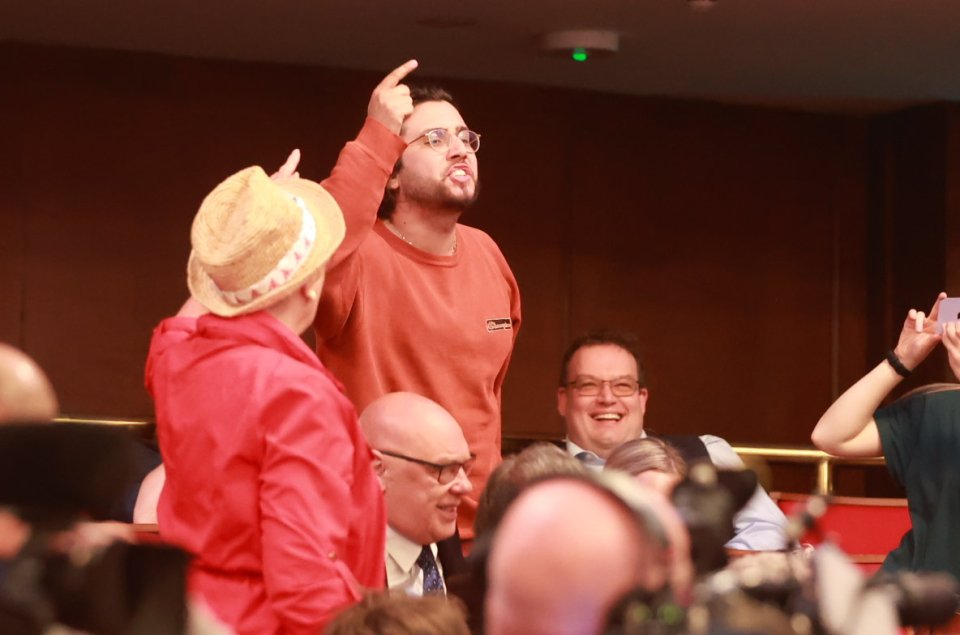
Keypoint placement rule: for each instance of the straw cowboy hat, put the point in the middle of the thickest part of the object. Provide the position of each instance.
(255, 240)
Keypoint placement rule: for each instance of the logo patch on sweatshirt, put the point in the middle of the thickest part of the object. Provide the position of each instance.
(499, 324)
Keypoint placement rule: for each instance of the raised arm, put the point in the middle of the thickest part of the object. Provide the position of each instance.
(358, 180)
(360, 176)
(848, 428)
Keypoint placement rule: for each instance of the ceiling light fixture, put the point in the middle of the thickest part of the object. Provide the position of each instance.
(702, 5)
(580, 44)
(439, 22)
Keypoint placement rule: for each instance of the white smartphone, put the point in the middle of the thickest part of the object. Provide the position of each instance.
(949, 312)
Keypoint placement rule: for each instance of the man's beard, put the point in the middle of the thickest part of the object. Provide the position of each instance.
(440, 197)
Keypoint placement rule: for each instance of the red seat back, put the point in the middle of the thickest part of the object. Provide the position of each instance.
(865, 528)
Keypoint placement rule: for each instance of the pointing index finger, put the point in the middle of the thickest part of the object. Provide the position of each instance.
(396, 75)
(289, 168)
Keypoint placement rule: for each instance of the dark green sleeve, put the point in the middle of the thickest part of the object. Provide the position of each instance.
(898, 425)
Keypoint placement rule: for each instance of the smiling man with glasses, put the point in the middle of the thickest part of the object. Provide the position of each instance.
(423, 463)
(602, 398)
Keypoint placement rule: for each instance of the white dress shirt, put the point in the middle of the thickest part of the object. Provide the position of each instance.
(591, 461)
(403, 572)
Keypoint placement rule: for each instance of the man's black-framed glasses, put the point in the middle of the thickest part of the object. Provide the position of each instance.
(588, 386)
(439, 139)
(445, 472)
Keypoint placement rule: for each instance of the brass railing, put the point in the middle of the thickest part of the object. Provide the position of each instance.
(145, 428)
(804, 454)
(771, 453)
(823, 462)
(131, 423)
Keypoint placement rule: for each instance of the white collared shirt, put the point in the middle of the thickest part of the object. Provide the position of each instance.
(592, 461)
(403, 572)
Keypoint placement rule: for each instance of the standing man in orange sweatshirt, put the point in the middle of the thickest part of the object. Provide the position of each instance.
(415, 301)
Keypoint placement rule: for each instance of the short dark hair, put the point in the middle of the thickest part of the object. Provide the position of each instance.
(534, 462)
(624, 339)
(419, 94)
(380, 613)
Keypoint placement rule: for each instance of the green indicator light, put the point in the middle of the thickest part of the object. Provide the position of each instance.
(580, 54)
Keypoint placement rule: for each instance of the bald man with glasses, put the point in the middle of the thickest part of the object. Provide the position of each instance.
(423, 463)
(603, 399)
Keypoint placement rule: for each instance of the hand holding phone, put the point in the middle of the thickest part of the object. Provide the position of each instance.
(949, 312)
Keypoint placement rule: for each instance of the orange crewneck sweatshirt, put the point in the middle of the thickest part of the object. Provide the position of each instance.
(393, 317)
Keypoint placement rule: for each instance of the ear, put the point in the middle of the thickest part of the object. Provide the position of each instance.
(308, 292)
(644, 394)
(379, 467)
(393, 183)
(562, 401)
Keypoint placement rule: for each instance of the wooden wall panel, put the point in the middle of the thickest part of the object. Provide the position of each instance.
(735, 240)
(715, 243)
(850, 203)
(11, 208)
(117, 153)
(907, 240)
(952, 195)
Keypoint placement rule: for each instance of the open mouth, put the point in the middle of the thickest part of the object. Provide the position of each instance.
(460, 174)
(608, 416)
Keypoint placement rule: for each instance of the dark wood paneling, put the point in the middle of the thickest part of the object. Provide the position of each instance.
(711, 235)
(750, 248)
(952, 196)
(11, 206)
(907, 244)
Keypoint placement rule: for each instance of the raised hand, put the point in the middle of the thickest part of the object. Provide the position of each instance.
(390, 102)
(289, 168)
(919, 335)
(951, 342)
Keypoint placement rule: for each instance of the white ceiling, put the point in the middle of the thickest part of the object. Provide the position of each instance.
(823, 54)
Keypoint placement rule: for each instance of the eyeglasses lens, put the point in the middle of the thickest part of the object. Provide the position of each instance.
(439, 139)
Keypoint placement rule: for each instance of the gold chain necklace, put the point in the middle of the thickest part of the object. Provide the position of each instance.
(396, 230)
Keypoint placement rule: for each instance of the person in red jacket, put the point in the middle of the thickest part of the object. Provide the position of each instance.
(268, 475)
